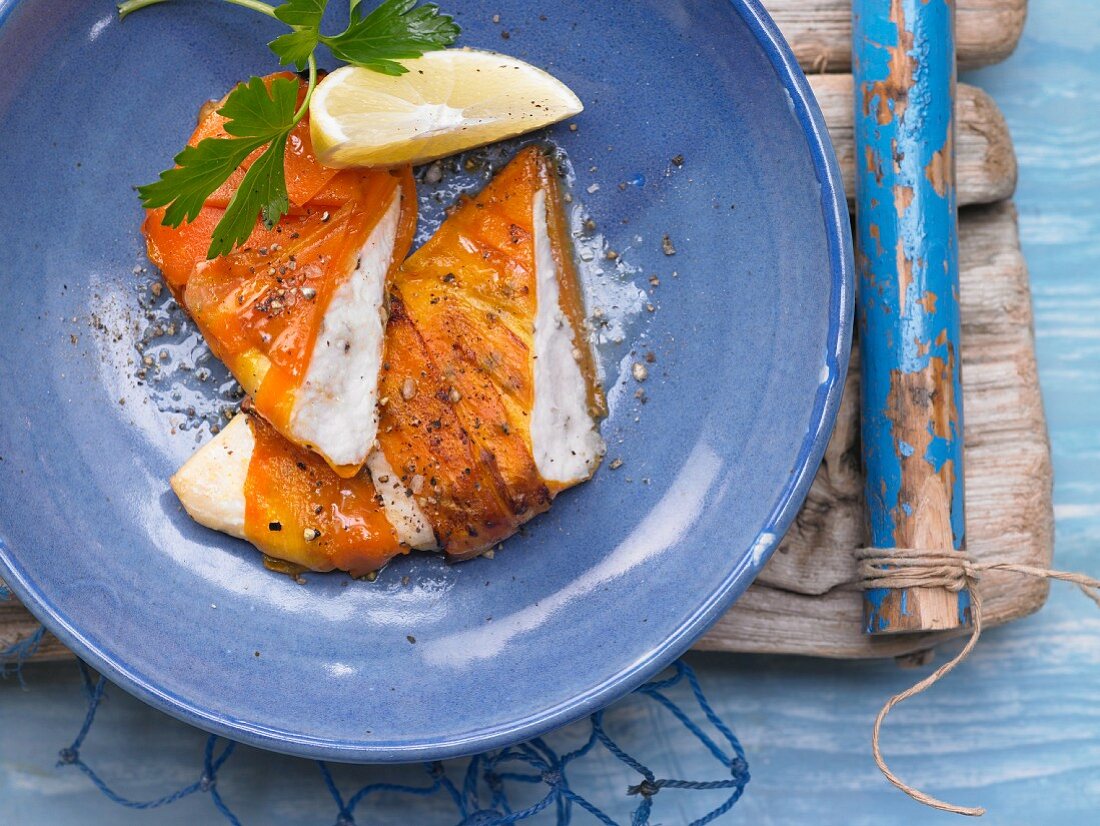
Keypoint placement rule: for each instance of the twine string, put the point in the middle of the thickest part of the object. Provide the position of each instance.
(898, 568)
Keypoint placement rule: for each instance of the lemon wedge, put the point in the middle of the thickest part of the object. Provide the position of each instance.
(449, 101)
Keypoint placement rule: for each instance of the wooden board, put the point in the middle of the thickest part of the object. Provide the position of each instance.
(16, 623)
(986, 162)
(796, 607)
(801, 603)
(820, 31)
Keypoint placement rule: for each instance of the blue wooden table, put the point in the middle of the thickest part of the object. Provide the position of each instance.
(1017, 728)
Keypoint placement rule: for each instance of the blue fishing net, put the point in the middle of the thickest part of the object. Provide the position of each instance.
(492, 789)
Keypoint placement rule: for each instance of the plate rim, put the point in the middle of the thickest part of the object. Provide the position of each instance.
(826, 404)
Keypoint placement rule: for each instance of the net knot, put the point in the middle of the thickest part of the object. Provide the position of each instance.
(344, 820)
(739, 769)
(68, 755)
(551, 777)
(206, 783)
(494, 781)
(647, 788)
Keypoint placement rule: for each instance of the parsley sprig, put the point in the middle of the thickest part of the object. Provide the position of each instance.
(263, 115)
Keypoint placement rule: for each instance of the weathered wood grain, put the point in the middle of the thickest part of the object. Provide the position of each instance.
(985, 159)
(820, 31)
(801, 602)
(17, 624)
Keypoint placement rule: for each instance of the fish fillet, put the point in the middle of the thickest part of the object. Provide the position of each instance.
(488, 403)
(295, 314)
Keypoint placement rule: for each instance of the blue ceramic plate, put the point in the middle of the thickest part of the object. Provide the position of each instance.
(105, 390)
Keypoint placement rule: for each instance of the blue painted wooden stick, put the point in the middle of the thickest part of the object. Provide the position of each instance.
(908, 309)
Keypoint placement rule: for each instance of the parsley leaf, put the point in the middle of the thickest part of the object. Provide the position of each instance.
(396, 30)
(304, 16)
(198, 172)
(256, 115)
(295, 47)
(255, 112)
(262, 191)
(303, 13)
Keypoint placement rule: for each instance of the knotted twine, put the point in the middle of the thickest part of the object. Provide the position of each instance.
(898, 568)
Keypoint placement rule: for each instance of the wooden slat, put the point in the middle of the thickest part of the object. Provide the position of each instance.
(985, 159)
(801, 604)
(17, 624)
(820, 31)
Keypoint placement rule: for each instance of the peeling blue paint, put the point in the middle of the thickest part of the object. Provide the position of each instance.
(908, 312)
(939, 450)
